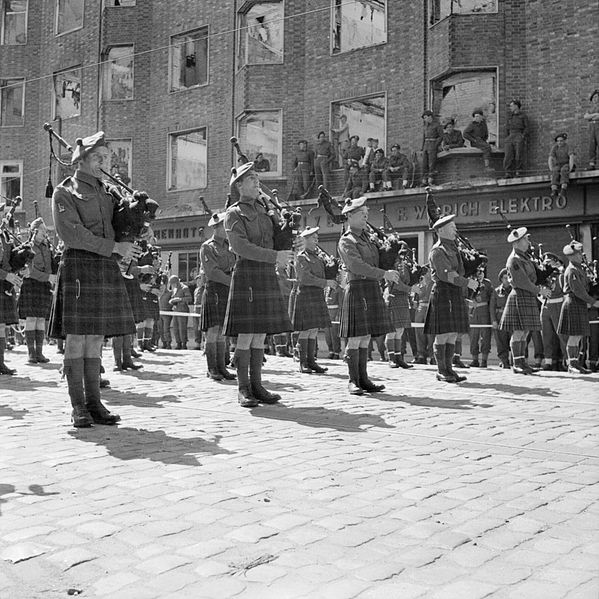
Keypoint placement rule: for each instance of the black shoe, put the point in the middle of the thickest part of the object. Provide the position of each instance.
(457, 361)
(214, 374)
(474, 364)
(446, 378)
(4, 369)
(264, 396)
(104, 383)
(419, 361)
(246, 399)
(81, 418)
(459, 378)
(316, 368)
(131, 365)
(353, 389)
(401, 362)
(136, 354)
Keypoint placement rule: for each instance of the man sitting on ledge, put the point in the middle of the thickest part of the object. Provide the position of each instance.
(477, 134)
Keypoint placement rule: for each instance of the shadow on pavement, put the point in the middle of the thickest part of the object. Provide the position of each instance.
(446, 404)
(127, 443)
(8, 412)
(319, 417)
(115, 397)
(5, 490)
(515, 389)
(148, 375)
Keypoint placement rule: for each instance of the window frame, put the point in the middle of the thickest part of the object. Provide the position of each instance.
(18, 163)
(458, 14)
(169, 136)
(170, 60)
(107, 5)
(478, 69)
(278, 174)
(3, 27)
(342, 52)
(56, 32)
(104, 75)
(242, 31)
(130, 163)
(69, 70)
(22, 79)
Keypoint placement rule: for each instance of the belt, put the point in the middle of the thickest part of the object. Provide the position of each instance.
(301, 162)
(332, 306)
(431, 138)
(555, 300)
(479, 304)
(322, 155)
(422, 304)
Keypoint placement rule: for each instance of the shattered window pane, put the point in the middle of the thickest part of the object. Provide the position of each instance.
(439, 9)
(13, 22)
(69, 15)
(261, 34)
(67, 94)
(12, 93)
(260, 132)
(188, 160)
(358, 24)
(189, 59)
(118, 74)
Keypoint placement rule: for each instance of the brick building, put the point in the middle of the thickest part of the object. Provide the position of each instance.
(171, 82)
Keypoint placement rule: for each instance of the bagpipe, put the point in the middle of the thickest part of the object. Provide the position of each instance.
(471, 257)
(590, 269)
(544, 271)
(21, 253)
(286, 220)
(332, 264)
(133, 210)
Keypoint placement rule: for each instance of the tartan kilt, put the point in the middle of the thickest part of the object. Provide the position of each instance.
(447, 310)
(91, 298)
(521, 312)
(8, 304)
(255, 302)
(310, 310)
(35, 299)
(135, 299)
(399, 310)
(574, 317)
(364, 311)
(214, 305)
(150, 305)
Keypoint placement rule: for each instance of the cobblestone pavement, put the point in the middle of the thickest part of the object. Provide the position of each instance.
(489, 489)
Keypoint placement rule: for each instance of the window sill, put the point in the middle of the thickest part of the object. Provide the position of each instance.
(466, 152)
(190, 88)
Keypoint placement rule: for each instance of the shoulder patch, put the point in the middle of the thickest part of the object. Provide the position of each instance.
(60, 207)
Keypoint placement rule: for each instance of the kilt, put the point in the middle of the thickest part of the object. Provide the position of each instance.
(447, 311)
(35, 299)
(214, 305)
(399, 310)
(521, 312)
(8, 304)
(135, 299)
(310, 310)
(255, 303)
(91, 297)
(150, 305)
(574, 318)
(364, 311)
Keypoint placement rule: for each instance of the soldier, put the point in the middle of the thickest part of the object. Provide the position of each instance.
(286, 284)
(217, 263)
(516, 135)
(477, 133)
(424, 343)
(364, 314)
(561, 164)
(35, 299)
(371, 146)
(165, 320)
(91, 302)
(323, 160)
(333, 297)
(378, 171)
(8, 304)
(353, 153)
(574, 316)
(431, 140)
(342, 133)
(303, 167)
(255, 306)
(480, 313)
(447, 315)
(496, 308)
(179, 300)
(310, 310)
(398, 168)
(356, 185)
(262, 164)
(452, 137)
(521, 314)
(593, 117)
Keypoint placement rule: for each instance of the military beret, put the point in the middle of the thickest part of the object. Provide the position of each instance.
(87, 144)
(477, 111)
(427, 113)
(564, 135)
(238, 173)
(517, 234)
(309, 231)
(321, 133)
(380, 151)
(302, 141)
(216, 218)
(595, 93)
(551, 256)
(356, 137)
(516, 102)
(396, 146)
(501, 274)
(354, 163)
(444, 220)
(351, 205)
(572, 248)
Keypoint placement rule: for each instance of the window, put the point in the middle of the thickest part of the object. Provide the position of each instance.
(188, 266)
(364, 117)
(13, 22)
(187, 160)
(189, 59)
(12, 102)
(439, 9)
(260, 131)
(118, 74)
(459, 94)
(11, 179)
(260, 33)
(358, 24)
(67, 94)
(120, 159)
(69, 15)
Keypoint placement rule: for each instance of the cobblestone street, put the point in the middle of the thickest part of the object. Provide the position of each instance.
(487, 489)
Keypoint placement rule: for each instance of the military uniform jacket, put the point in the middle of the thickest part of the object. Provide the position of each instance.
(444, 258)
(433, 133)
(378, 165)
(310, 270)
(324, 148)
(360, 256)
(453, 139)
(517, 123)
(304, 156)
(250, 231)
(476, 131)
(576, 283)
(217, 261)
(40, 268)
(82, 211)
(182, 292)
(498, 301)
(5, 249)
(354, 153)
(424, 295)
(559, 156)
(481, 303)
(399, 162)
(522, 272)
